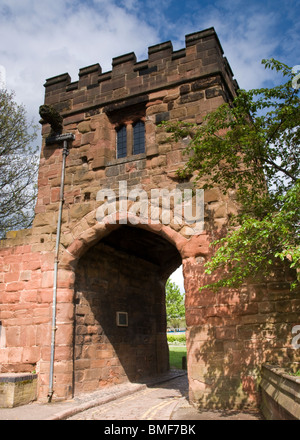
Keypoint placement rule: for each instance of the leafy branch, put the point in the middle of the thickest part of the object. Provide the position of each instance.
(251, 146)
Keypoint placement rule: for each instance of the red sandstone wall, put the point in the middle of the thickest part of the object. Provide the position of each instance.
(26, 296)
(231, 333)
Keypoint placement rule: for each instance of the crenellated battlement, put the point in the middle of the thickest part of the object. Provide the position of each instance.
(169, 85)
(201, 57)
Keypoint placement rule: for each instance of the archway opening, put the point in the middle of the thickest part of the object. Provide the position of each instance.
(176, 321)
(120, 321)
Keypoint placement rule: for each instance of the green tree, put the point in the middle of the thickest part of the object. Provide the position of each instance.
(18, 165)
(251, 146)
(174, 304)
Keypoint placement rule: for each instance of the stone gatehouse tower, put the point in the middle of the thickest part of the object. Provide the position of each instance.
(110, 306)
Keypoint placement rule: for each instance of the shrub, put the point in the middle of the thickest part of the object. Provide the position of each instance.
(176, 339)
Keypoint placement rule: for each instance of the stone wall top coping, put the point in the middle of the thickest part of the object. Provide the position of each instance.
(16, 377)
(64, 78)
(128, 57)
(281, 372)
(280, 394)
(94, 68)
(159, 47)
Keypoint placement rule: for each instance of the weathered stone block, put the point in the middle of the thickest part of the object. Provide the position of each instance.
(17, 389)
(84, 127)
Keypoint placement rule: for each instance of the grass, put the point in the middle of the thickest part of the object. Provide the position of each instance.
(176, 354)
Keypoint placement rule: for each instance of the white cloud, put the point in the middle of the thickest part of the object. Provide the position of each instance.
(250, 32)
(43, 38)
(245, 38)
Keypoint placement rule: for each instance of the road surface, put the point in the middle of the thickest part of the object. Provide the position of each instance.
(153, 403)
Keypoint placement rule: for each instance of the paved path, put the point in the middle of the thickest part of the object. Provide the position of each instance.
(167, 401)
(161, 398)
(153, 403)
(80, 403)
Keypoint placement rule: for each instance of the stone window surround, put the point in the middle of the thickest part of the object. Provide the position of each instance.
(128, 123)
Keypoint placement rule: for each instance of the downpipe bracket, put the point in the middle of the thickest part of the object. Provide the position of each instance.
(59, 138)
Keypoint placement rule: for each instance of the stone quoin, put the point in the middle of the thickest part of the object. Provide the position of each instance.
(105, 269)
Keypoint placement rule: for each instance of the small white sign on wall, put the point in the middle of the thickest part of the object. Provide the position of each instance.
(122, 319)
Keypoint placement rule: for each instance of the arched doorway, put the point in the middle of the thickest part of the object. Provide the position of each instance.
(120, 313)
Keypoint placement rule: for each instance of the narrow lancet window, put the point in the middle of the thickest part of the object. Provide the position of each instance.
(138, 137)
(121, 142)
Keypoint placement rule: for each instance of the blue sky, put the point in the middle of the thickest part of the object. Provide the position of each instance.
(43, 38)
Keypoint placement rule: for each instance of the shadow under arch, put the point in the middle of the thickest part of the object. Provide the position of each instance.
(90, 236)
(121, 268)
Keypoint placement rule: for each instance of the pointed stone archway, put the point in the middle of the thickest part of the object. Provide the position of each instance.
(112, 268)
(120, 313)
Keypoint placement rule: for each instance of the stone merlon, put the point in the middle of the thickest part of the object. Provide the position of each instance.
(202, 56)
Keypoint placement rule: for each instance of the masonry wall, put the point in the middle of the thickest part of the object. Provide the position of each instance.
(230, 333)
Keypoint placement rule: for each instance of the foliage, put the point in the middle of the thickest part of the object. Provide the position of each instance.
(251, 147)
(177, 339)
(174, 304)
(18, 165)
